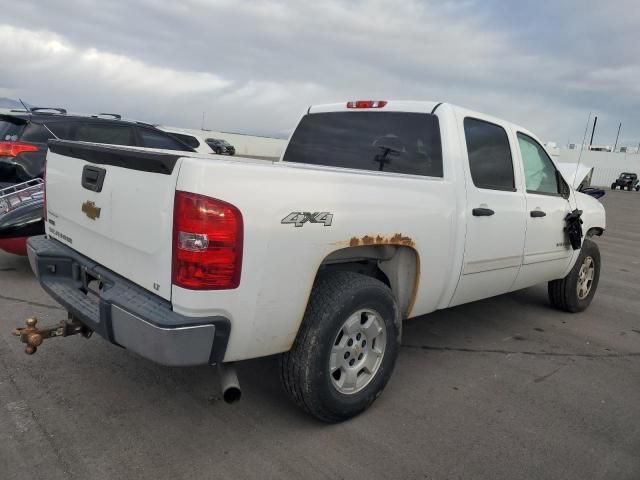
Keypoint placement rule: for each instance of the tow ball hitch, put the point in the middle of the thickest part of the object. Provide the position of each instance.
(34, 336)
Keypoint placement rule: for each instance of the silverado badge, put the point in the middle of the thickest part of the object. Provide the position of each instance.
(90, 210)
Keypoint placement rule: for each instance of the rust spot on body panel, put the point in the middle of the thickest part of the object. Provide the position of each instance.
(396, 239)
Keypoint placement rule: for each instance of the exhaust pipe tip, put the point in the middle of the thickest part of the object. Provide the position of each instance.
(229, 384)
(232, 394)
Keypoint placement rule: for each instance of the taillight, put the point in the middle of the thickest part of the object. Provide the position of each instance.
(13, 149)
(44, 192)
(207, 243)
(367, 104)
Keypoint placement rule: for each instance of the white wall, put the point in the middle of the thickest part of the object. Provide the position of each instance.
(607, 166)
(245, 144)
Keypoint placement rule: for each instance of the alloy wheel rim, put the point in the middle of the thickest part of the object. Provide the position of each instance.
(585, 277)
(357, 351)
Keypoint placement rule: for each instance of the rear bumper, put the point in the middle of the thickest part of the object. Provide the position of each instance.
(123, 312)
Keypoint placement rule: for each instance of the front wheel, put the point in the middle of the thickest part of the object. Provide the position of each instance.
(346, 347)
(613, 186)
(574, 292)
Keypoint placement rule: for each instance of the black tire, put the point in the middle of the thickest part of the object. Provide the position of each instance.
(563, 293)
(218, 151)
(613, 186)
(305, 368)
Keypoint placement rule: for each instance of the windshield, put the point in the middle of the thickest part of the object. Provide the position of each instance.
(10, 131)
(396, 142)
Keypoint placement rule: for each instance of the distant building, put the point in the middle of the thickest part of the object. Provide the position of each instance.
(601, 148)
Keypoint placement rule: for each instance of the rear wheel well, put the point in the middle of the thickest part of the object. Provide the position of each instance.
(396, 266)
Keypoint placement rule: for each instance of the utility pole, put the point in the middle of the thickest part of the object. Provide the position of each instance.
(593, 131)
(618, 135)
(202, 124)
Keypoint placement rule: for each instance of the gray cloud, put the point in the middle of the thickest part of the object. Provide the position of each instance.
(255, 65)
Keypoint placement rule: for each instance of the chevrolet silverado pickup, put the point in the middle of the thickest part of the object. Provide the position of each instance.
(377, 212)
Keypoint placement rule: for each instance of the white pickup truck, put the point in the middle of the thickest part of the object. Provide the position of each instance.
(377, 212)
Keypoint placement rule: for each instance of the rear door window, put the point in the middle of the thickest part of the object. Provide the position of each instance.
(395, 142)
(105, 133)
(157, 139)
(62, 130)
(490, 159)
(188, 139)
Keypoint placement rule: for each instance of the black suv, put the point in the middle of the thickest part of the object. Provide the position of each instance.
(24, 135)
(626, 180)
(221, 146)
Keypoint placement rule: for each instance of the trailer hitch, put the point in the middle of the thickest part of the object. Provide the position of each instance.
(34, 336)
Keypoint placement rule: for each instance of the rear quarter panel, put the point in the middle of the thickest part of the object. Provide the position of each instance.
(280, 261)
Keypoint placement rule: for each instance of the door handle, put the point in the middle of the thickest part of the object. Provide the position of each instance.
(482, 212)
(538, 213)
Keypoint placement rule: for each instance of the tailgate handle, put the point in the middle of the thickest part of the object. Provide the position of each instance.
(93, 178)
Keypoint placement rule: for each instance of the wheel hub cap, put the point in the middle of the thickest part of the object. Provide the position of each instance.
(357, 351)
(585, 277)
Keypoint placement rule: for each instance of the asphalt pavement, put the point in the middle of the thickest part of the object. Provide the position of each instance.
(505, 388)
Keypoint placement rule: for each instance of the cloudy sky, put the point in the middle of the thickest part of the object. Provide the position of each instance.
(254, 66)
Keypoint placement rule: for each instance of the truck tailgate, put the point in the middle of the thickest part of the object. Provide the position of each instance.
(115, 206)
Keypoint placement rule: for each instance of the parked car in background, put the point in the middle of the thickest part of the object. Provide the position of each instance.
(23, 146)
(627, 181)
(197, 142)
(221, 147)
(21, 215)
(24, 135)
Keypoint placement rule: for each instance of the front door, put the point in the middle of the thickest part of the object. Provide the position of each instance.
(547, 252)
(495, 214)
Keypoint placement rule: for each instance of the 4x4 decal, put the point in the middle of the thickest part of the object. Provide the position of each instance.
(300, 218)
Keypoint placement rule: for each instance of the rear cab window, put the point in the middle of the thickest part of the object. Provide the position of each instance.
(393, 142)
(490, 159)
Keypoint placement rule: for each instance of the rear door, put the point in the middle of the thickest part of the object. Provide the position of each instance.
(115, 205)
(495, 212)
(547, 251)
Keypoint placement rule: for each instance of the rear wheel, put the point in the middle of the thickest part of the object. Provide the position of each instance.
(574, 292)
(346, 348)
